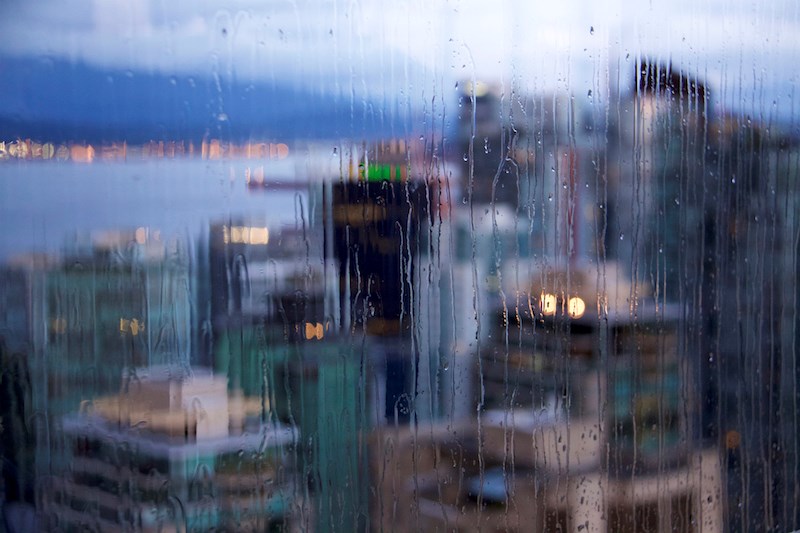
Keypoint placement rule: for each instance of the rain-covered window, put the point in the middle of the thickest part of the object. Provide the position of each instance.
(410, 266)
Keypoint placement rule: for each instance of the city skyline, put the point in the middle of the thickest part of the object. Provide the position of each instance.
(350, 266)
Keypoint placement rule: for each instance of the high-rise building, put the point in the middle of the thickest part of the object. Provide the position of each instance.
(279, 348)
(172, 450)
(698, 206)
(266, 288)
(582, 425)
(380, 211)
(122, 300)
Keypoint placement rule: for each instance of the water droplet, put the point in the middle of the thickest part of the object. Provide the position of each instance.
(591, 30)
(621, 236)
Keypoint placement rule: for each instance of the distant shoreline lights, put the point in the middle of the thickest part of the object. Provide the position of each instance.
(212, 149)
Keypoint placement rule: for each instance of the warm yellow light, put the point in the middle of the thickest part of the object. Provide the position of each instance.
(237, 234)
(133, 326)
(259, 236)
(245, 235)
(548, 304)
(314, 331)
(283, 151)
(576, 307)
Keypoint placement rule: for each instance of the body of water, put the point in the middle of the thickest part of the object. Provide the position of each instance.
(46, 205)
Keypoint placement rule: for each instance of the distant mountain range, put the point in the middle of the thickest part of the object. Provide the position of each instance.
(58, 100)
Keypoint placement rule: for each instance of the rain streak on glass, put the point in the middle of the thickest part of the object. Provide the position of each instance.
(453, 266)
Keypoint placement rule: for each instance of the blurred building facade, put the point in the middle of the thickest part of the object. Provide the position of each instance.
(582, 424)
(702, 214)
(114, 301)
(173, 452)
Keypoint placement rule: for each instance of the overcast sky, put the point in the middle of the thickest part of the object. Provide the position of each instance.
(748, 51)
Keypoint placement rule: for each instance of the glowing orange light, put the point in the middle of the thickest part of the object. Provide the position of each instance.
(214, 149)
(81, 154)
(314, 331)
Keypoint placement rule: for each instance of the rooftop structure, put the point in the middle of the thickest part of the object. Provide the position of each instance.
(172, 450)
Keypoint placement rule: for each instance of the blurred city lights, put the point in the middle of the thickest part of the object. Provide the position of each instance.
(548, 304)
(576, 307)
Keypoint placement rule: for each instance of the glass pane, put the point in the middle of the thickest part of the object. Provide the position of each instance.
(337, 266)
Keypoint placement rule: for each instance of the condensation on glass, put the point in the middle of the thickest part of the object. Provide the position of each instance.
(355, 267)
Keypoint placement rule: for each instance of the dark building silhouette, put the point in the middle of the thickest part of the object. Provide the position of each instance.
(378, 213)
(695, 213)
(16, 433)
